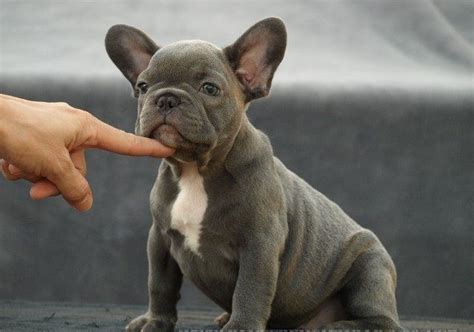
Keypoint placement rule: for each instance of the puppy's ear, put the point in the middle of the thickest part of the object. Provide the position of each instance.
(130, 49)
(255, 56)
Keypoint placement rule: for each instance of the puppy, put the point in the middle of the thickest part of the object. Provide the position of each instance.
(258, 240)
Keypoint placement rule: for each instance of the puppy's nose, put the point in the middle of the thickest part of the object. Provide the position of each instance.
(167, 102)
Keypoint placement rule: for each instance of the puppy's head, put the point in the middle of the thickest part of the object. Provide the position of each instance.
(192, 94)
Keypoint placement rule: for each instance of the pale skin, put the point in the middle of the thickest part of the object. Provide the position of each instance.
(44, 143)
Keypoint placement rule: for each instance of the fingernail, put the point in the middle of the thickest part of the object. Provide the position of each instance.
(85, 204)
(13, 170)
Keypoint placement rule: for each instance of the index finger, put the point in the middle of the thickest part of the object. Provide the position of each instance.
(115, 140)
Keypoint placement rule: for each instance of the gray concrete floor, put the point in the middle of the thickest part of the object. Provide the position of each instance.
(50, 316)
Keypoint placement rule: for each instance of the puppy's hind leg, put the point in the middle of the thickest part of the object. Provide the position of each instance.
(369, 295)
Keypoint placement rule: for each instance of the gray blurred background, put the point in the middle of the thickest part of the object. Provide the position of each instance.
(373, 105)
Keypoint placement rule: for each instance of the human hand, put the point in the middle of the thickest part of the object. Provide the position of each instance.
(44, 143)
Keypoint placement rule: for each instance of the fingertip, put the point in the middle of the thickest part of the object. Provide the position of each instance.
(164, 153)
(159, 150)
(33, 193)
(112, 139)
(144, 146)
(37, 194)
(85, 204)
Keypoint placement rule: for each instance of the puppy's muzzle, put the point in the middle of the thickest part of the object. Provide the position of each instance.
(167, 103)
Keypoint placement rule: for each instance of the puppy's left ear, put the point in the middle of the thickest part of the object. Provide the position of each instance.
(255, 56)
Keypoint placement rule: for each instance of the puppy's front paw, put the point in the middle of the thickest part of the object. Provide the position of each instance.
(235, 326)
(222, 319)
(148, 323)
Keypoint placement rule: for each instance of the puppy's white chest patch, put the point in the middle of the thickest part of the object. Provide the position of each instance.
(189, 207)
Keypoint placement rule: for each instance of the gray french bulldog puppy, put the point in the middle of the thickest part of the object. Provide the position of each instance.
(258, 240)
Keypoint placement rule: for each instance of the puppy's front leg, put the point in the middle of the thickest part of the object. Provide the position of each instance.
(164, 283)
(256, 284)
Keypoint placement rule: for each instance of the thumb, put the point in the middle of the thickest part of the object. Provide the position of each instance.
(72, 185)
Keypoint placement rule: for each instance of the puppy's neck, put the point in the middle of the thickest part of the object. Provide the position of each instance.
(249, 147)
(246, 145)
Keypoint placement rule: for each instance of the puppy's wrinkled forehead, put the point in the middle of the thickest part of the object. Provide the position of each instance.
(189, 59)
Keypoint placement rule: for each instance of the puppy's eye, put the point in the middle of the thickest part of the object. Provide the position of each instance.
(143, 87)
(210, 89)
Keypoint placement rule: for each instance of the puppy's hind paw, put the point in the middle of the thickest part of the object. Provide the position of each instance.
(222, 319)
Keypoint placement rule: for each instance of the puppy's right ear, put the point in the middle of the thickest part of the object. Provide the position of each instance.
(130, 49)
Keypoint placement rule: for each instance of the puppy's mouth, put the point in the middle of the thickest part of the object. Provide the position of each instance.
(170, 136)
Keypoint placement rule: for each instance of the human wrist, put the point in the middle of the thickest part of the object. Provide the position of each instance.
(7, 123)
(4, 116)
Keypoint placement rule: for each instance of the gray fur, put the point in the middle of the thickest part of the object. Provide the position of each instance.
(274, 252)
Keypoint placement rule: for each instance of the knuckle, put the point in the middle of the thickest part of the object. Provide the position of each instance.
(85, 117)
(62, 105)
(88, 125)
(82, 119)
